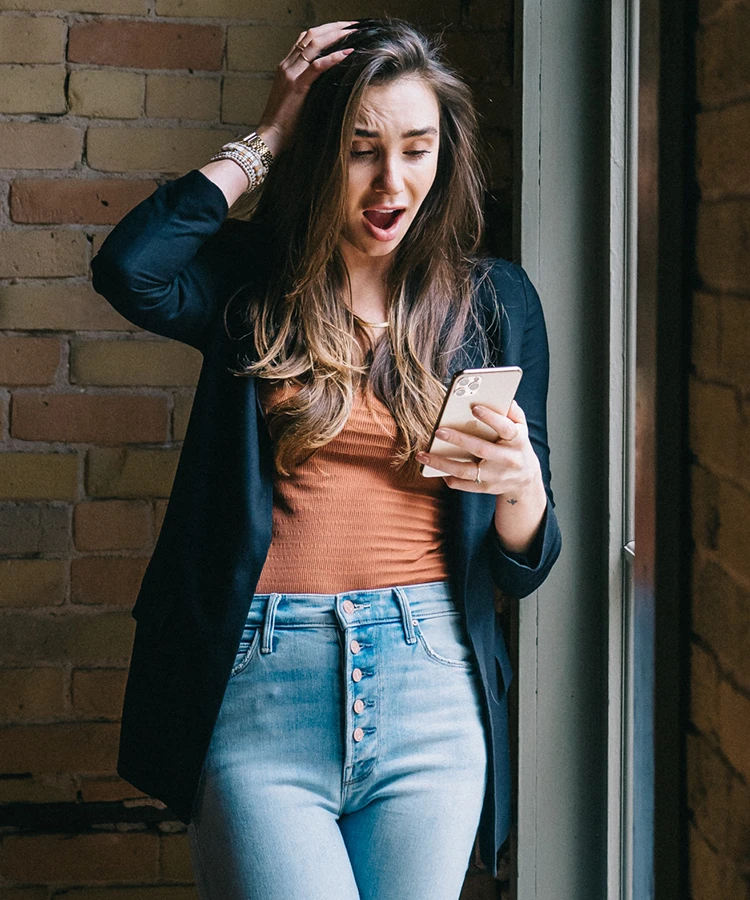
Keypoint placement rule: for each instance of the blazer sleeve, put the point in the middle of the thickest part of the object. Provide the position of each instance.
(519, 575)
(166, 266)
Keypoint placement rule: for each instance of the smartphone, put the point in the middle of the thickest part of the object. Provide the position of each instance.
(493, 388)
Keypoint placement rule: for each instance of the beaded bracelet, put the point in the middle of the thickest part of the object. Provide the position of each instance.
(252, 155)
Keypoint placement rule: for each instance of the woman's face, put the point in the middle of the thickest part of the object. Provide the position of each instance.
(392, 164)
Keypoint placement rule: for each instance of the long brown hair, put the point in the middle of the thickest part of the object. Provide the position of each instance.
(296, 310)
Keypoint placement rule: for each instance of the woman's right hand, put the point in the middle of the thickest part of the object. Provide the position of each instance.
(294, 75)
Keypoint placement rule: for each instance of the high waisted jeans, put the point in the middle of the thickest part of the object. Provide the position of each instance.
(349, 758)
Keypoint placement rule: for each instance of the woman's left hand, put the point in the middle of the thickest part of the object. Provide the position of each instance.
(507, 467)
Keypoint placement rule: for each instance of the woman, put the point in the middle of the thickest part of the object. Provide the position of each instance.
(318, 679)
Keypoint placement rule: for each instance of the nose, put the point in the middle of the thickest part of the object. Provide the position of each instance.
(389, 178)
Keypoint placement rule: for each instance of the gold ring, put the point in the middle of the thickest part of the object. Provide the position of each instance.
(478, 479)
(303, 55)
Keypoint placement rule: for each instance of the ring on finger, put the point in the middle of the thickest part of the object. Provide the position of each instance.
(308, 61)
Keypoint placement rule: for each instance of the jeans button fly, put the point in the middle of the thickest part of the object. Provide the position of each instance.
(357, 674)
(359, 705)
(348, 607)
(355, 646)
(358, 734)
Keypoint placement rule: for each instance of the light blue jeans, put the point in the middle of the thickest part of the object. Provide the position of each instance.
(349, 758)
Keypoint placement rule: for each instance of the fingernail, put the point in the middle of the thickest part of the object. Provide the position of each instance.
(441, 433)
(480, 411)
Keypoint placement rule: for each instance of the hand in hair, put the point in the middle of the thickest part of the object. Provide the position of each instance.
(294, 75)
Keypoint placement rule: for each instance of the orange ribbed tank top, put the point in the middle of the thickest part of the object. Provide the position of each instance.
(345, 520)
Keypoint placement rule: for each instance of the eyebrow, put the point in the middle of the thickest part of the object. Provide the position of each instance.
(413, 132)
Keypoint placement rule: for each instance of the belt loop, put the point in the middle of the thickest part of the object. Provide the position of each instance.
(406, 618)
(269, 619)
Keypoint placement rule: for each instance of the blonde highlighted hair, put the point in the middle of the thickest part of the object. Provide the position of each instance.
(296, 311)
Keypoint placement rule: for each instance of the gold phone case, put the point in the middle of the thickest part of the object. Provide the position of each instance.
(493, 388)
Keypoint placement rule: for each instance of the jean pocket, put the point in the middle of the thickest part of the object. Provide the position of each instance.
(445, 640)
(245, 650)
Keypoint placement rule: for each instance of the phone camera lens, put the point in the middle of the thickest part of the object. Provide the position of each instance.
(460, 392)
(464, 381)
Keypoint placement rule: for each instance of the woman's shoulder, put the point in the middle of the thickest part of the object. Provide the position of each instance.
(504, 284)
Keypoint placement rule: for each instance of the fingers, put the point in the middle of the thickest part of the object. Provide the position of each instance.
(516, 414)
(321, 64)
(460, 468)
(304, 62)
(312, 41)
(507, 427)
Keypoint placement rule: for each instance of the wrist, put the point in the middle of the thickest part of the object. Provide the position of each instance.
(270, 137)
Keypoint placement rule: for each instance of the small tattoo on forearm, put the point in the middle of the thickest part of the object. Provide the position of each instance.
(512, 501)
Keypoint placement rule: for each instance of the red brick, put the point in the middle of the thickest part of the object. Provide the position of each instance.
(723, 151)
(87, 858)
(24, 894)
(735, 340)
(723, 245)
(721, 618)
(57, 306)
(705, 868)
(69, 747)
(707, 334)
(38, 476)
(734, 504)
(708, 786)
(33, 582)
(130, 472)
(31, 693)
(36, 145)
(734, 714)
(29, 529)
(98, 693)
(55, 788)
(155, 892)
(146, 45)
(39, 253)
(112, 525)
(704, 691)
(27, 360)
(723, 63)
(73, 201)
(107, 580)
(715, 426)
(83, 636)
(705, 497)
(97, 419)
(176, 863)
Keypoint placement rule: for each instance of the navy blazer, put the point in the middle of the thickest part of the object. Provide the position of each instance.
(169, 267)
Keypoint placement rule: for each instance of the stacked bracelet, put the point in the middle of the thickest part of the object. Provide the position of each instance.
(252, 155)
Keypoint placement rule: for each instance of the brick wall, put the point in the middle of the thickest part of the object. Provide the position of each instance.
(100, 101)
(718, 746)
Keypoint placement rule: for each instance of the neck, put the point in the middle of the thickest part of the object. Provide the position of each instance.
(369, 280)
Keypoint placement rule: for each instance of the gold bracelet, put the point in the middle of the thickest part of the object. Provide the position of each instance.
(256, 143)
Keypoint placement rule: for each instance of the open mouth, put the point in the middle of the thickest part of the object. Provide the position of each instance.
(383, 219)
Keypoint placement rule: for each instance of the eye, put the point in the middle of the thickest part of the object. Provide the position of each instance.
(360, 154)
(418, 154)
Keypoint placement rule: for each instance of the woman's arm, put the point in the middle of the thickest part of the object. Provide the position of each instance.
(523, 540)
(520, 573)
(165, 266)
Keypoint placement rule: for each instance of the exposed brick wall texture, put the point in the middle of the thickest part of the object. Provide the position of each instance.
(100, 102)
(718, 748)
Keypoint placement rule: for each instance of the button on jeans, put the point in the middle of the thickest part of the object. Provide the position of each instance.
(349, 758)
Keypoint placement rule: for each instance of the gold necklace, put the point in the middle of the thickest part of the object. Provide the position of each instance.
(370, 324)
